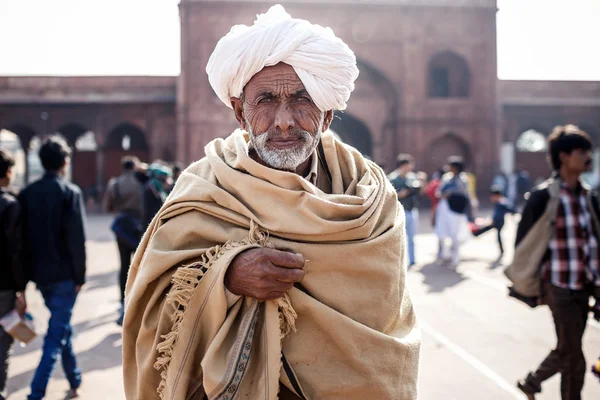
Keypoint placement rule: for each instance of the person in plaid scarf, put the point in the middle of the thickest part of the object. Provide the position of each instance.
(569, 270)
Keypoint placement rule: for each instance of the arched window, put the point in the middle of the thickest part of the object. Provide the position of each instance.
(444, 147)
(126, 137)
(531, 141)
(86, 142)
(448, 76)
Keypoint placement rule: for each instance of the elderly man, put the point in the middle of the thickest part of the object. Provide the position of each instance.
(275, 268)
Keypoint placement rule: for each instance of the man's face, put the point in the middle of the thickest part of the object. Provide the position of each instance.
(578, 161)
(63, 170)
(283, 122)
(9, 175)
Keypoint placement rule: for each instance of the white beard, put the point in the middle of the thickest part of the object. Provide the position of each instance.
(284, 159)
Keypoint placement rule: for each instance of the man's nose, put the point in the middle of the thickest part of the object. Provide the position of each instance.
(284, 119)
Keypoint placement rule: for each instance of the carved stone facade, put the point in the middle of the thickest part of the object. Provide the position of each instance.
(394, 43)
(428, 86)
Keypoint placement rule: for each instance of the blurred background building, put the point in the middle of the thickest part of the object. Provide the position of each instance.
(428, 86)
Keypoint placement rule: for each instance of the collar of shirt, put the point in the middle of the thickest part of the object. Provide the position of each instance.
(313, 173)
(51, 175)
(579, 190)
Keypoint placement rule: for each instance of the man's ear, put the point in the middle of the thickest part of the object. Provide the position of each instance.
(563, 156)
(327, 120)
(238, 108)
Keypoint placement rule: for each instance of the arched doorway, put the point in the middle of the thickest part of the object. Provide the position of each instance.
(125, 139)
(83, 160)
(441, 149)
(530, 154)
(375, 100)
(18, 138)
(34, 164)
(11, 143)
(353, 132)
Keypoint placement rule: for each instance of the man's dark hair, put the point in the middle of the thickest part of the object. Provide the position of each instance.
(457, 162)
(565, 139)
(54, 153)
(6, 162)
(129, 162)
(177, 167)
(404, 159)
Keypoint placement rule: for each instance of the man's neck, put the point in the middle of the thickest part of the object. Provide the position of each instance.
(401, 172)
(570, 178)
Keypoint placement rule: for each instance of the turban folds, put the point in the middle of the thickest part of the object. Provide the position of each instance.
(324, 63)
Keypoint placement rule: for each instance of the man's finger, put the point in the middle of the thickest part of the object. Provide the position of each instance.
(286, 259)
(283, 274)
(274, 295)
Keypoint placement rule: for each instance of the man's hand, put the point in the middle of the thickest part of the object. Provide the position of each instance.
(264, 274)
(402, 193)
(21, 304)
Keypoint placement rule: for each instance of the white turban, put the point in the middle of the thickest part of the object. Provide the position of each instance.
(324, 63)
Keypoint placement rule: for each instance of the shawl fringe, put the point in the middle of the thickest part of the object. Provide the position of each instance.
(185, 281)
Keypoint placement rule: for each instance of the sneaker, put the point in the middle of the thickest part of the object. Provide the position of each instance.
(596, 369)
(120, 319)
(72, 394)
(529, 386)
(522, 385)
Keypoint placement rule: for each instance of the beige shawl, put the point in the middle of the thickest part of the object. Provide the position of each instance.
(347, 331)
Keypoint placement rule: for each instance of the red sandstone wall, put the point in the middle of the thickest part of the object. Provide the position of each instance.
(398, 41)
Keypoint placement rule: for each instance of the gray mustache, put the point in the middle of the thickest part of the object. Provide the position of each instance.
(296, 133)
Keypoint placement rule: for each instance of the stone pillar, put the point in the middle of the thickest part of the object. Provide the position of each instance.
(100, 170)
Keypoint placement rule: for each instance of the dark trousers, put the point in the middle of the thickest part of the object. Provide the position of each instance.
(570, 312)
(58, 344)
(125, 254)
(498, 228)
(7, 304)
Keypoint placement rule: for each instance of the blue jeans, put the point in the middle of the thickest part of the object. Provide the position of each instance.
(60, 299)
(412, 221)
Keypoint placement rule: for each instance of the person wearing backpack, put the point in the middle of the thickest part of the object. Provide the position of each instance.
(556, 259)
(124, 196)
(13, 277)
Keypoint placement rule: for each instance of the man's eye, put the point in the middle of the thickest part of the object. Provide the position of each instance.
(304, 99)
(265, 100)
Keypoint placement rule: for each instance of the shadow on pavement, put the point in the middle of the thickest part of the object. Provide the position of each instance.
(439, 277)
(101, 281)
(77, 328)
(106, 354)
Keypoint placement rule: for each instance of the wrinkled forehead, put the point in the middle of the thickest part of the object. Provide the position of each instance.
(280, 79)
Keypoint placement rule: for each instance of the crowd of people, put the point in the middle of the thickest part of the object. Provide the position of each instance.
(43, 241)
(453, 202)
(135, 197)
(556, 260)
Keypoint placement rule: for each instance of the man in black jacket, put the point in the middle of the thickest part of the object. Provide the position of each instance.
(12, 271)
(569, 271)
(53, 216)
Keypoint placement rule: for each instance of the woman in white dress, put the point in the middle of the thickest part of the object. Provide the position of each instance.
(451, 221)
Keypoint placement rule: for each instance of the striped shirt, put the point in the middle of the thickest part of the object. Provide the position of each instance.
(573, 250)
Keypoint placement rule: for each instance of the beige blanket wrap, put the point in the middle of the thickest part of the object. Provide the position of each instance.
(347, 331)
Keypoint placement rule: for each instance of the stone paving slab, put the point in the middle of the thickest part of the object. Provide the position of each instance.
(476, 341)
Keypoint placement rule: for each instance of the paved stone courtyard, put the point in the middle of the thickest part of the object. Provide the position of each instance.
(476, 341)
